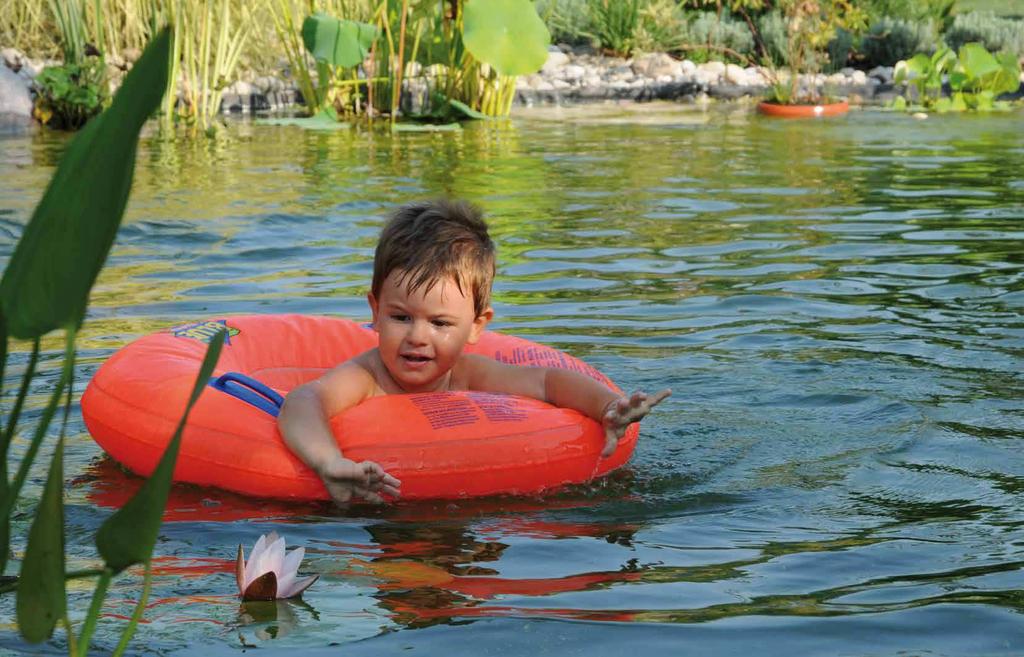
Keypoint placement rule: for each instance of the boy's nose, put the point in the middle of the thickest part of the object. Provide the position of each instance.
(417, 333)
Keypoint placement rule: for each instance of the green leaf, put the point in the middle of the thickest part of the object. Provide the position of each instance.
(325, 119)
(899, 104)
(1007, 81)
(341, 43)
(465, 110)
(42, 599)
(958, 103)
(977, 61)
(944, 105)
(507, 34)
(47, 281)
(128, 536)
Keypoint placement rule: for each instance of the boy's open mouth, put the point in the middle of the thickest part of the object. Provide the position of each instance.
(416, 358)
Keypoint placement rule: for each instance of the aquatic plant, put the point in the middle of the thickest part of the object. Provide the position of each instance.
(976, 79)
(69, 95)
(45, 287)
(270, 574)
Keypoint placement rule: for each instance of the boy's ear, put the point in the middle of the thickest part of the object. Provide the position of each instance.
(479, 324)
(372, 300)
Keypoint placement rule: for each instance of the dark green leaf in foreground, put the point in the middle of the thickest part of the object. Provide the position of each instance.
(507, 34)
(47, 281)
(341, 43)
(128, 536)
(41, 596)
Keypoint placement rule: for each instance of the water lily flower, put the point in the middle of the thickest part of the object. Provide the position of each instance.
(269, 574)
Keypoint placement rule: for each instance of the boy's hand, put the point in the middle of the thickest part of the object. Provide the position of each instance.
(624, 411)
(345, 479)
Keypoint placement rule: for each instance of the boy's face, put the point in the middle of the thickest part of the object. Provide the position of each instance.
(422, 333)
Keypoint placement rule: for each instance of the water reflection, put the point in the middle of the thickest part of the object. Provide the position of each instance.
(836, 304)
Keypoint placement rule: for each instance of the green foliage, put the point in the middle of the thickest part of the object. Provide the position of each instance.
(342, 43)
(890, 40)
(839, 49)
(43, 604)
(128, 536)
(772, 27)
(615, 24)
(939, 12)
(71, 94)
(722, 36)
(924, 74)
(976, 78)
(996, 34)
(69, 18)
(662, 27)
(47, 281)
(506, 34)
(567, 20)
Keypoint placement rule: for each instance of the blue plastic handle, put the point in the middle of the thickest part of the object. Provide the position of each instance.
(249, 390)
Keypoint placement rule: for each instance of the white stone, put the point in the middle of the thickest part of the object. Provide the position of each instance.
(572, 72)
(592, 81)
(713, 68)
(883, 73)
(15, 97)
(919, 115)
(241, 88)
(689, 68)
(847, 71)
(664, 79)
(735, 74)
(31, 68)
(12, 58)
(836, 79)
(655, 65)
(556, 60)
(560, 84)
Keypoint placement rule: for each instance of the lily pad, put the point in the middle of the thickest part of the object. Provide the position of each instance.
(507, 34)
(336, 41)
(325, 119)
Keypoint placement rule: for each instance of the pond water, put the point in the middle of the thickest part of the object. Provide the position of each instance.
(837, 306)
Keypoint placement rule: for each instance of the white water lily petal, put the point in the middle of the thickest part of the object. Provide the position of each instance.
(272, 559)
(298, 587)
(290, 569)
(254, 556)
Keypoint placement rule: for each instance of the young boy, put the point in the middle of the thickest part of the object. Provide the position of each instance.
(430, 296)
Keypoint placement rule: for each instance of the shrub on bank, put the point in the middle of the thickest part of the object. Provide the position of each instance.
(890, 40)
(995, 33)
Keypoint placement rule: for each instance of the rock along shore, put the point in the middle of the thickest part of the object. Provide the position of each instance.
(572, 75)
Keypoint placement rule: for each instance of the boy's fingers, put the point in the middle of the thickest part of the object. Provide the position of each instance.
(390, 491)
(659, 396)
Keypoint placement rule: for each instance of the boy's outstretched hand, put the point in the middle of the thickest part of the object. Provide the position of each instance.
(624, 411)
(345, 479)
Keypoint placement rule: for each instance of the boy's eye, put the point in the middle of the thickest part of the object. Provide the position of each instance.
(441, 323)
(400, 318)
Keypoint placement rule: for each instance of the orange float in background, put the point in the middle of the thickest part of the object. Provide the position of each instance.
(440, 445)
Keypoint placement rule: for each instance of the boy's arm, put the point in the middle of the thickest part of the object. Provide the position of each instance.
(303, 422)
(566, 389)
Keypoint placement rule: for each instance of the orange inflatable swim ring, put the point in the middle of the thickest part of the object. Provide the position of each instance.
(440, 445)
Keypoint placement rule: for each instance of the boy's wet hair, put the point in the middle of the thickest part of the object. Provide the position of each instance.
(433, 240)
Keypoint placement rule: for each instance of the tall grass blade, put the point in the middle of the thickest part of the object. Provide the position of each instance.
(47, 281)
(128, 536)
(41, 595)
